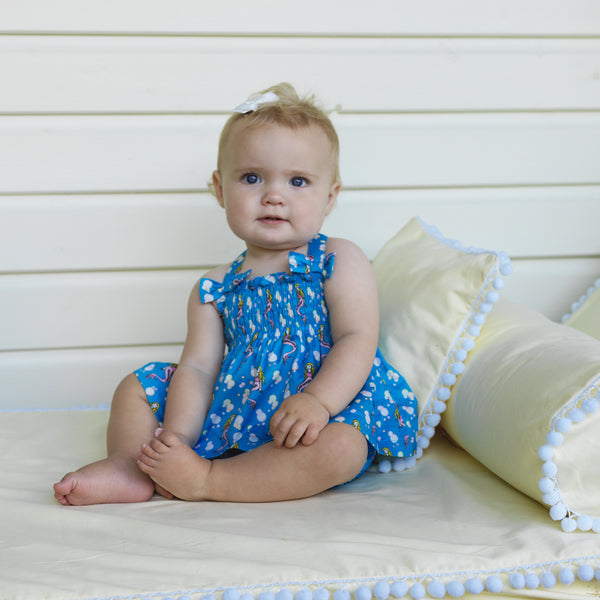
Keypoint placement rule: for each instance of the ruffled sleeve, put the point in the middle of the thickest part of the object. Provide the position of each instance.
(210, 290)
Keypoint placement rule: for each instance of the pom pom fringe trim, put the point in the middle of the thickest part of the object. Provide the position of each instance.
(575, 411)
(434, 585)
(435, 405)
(582, 300)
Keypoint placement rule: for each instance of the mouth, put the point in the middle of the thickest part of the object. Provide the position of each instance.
(272, 220)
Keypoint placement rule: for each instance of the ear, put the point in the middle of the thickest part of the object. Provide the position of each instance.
(218, 187)
(334, 190)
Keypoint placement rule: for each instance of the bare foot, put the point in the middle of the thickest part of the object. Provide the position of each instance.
(174, 466)
(114, 479)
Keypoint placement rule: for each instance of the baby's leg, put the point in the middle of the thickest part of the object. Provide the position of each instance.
(117, 477)
(265, 474)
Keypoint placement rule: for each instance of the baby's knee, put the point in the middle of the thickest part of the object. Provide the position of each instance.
(130, 387)
(349, 444)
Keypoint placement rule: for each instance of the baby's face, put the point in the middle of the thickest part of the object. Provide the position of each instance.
(276, 184)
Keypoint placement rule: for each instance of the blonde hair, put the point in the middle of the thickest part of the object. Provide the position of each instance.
(290, 110)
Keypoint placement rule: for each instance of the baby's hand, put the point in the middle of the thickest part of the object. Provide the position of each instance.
(300, 417)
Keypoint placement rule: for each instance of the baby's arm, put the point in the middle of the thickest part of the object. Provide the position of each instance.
(191, 388)
(351, 296)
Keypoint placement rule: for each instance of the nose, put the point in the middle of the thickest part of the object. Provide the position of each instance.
(273, 196)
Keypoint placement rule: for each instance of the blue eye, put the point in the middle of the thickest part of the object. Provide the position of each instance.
(298, 181)
(251, 178)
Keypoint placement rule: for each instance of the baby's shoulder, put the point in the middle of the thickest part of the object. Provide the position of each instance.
(217, 273)
(344, 249)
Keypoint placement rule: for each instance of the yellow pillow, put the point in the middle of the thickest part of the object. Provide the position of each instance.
(585, 312)
(527, 408)
(434, 297)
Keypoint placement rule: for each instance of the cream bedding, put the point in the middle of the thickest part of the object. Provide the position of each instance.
(447, 519)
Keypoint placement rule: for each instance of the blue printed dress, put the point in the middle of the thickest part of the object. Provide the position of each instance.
(277, 334)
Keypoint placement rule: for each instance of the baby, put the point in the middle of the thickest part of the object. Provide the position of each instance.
(281, 391)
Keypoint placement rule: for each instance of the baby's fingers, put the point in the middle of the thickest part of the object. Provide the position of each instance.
(286, 430)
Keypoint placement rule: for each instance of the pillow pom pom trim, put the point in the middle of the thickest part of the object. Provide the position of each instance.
(465, 340)
(574, 412)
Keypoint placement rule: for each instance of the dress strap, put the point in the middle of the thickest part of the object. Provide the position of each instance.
(315, 260)
(211, 290)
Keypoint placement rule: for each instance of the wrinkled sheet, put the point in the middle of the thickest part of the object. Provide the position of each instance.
(448, 515)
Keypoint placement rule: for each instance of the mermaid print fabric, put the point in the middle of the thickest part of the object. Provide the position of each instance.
(277, 335)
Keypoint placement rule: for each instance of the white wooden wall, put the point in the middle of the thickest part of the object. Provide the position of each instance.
(482, 117)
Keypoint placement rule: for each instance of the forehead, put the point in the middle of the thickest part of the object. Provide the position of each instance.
(271, 140)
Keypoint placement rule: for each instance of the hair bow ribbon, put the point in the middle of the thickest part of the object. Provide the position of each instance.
(254, 102)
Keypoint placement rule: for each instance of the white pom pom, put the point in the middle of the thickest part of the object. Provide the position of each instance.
(590, 405)
(548, 579)
(428, 432)
(551, 498)
(563, 425)
(449, 379)
(498, 283)
(411, 461)
(455, 589)
(474, 330)
(231, 594)
(438, 406)
(516, 581)
(384, 466)
(321, 594)
(585, 573)
(468, 344)
(494, 584)
(474, 586)
(422, 442)
(584, 522)
(363, 593)
(568, 525)
(460, 355)
(443, 393)
(381, 590)
(576, 415)
(545, 453)
(417, 591)
(433, 420)
(479, 319)
(558, 512)
(546, 485)
(485, 308)
(532, 581)
(554, 438)
(549, 469)
(436, 589)
(457, 368)
(399, 465)
(398, 589)
(596, 527)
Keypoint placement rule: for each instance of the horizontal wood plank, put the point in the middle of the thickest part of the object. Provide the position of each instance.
(63, 379)
(150, 231)
(158, 153)
(94, 309)
(79, 74)
(459, 17)
(110, 309)
(551, 286)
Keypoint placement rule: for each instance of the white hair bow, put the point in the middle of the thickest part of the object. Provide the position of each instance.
(255, 101)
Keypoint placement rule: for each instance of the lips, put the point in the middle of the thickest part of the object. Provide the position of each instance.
(272, 219)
